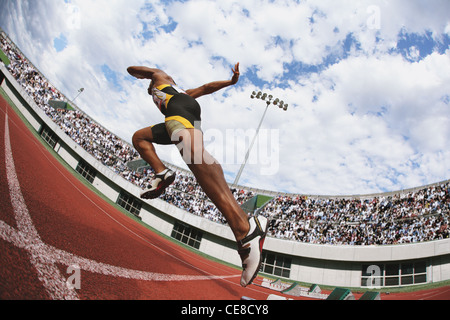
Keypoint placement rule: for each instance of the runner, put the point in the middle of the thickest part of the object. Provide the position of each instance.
(182, 127)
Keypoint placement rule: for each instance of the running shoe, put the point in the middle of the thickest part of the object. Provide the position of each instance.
(250, 249)
(159, 184)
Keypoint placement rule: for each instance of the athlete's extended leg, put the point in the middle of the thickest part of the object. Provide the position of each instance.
(249, 234)
(210, 176)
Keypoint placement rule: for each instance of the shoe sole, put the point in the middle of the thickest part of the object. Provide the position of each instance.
(153, 194)
(261, 244)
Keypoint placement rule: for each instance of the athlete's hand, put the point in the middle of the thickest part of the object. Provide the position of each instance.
(236, 74)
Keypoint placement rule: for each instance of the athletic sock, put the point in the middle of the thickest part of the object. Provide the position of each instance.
(162, 172)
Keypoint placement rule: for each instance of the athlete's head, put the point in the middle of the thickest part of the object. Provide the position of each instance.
(150, 87)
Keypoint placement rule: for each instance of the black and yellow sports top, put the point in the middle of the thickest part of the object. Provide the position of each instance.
(163, 94)
(173, 102)
(181, 111)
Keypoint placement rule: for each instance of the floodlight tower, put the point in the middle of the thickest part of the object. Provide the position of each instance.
(276, 102)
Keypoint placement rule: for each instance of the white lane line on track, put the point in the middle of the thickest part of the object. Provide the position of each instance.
(54, 255)
(44, 257)
(48, 273)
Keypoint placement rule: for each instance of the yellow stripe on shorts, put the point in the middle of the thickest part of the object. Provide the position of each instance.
(182, 120)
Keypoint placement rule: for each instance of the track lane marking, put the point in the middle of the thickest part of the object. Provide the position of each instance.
(48, 273)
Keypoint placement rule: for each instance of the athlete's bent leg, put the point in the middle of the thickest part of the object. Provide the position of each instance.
(143, 143)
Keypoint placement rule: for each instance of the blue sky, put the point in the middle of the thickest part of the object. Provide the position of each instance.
(367, 82)
(60, 43)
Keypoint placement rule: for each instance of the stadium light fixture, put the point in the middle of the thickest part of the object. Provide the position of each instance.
(261, 96)
(79, 92)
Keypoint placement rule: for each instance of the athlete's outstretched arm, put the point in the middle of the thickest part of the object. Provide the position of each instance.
(216, 85)
(142, 72)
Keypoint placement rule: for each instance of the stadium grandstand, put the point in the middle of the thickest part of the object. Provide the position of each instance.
(406, 217)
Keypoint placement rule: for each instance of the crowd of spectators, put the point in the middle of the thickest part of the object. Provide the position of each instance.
(407, 217)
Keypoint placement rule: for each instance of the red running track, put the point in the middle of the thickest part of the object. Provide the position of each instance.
(50, 223)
